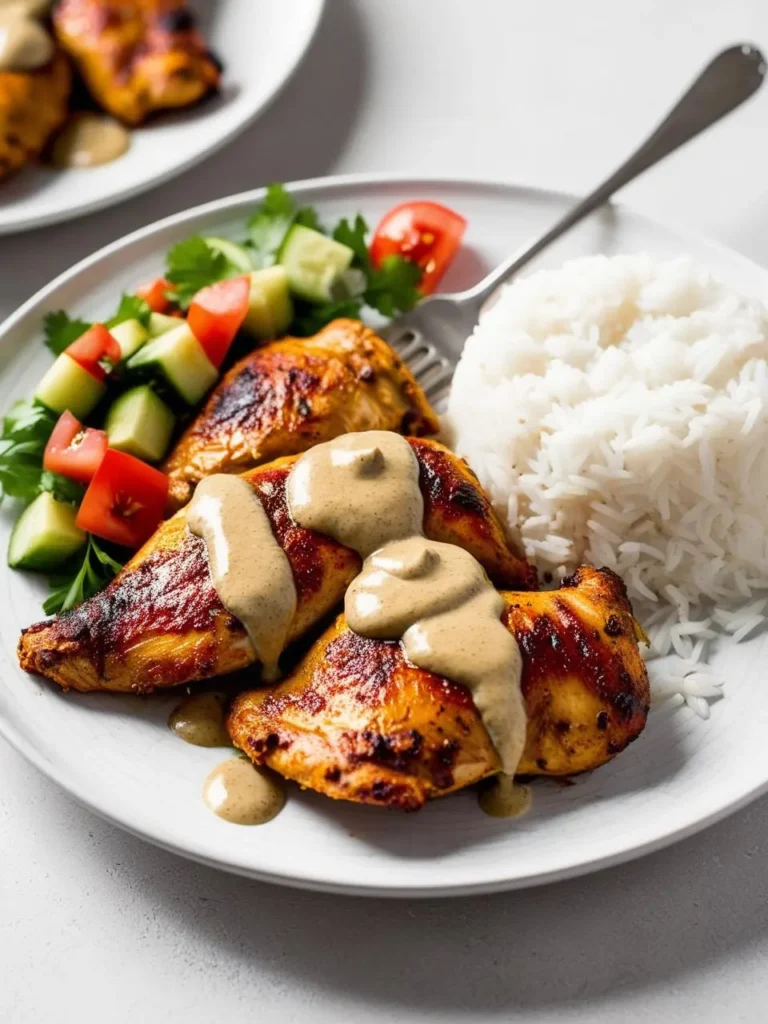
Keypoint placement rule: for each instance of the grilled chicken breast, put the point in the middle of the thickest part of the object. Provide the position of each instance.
(160, 622)
(33, 104)
(137, 56)
(293, 394)
(356, 721)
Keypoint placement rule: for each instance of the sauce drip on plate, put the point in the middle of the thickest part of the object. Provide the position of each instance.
(88, 140)
(199, 720)
(505, 798)
(243, 794)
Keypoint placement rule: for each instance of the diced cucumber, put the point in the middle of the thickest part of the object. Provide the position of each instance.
(178, 357)
(233, 253)
(159, 323)
(45, 535)
(130, 336)
(270, 309)
(68, 386)
(315, 264)
(140, 423)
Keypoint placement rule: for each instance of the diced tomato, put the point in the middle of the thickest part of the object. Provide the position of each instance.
(93, 348)
(217, 313)
(424, 233)
(74, 451)
(154, 294)
(125, 500)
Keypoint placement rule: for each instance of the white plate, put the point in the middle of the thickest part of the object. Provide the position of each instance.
(260, 43)
(115, 755)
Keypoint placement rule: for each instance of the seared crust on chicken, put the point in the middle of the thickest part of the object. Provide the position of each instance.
(160, 622)
(137, 56)
(33, 104)
(293, 394)
(356, 721)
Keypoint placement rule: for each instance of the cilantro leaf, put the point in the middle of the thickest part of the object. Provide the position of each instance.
(67, 491)
(26, 429)
(60, 331)
(353, 236)
(131, 308)
(86, 577)
(311, 318)
(308, 218)
(192, 265)
(270, 223)
(393, 288)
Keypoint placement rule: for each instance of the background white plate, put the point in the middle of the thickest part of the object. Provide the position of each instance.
(260, 43)
(115, 755)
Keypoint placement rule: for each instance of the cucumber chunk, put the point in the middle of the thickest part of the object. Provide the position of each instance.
(270, 310)
(130, 336)
(140, 423)
(315, 264)
(45, 535)
(68, 386)
(159, 323)
(233, 253)
(177, 357)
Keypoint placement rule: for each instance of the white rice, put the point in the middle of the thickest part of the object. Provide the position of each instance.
(616, 410)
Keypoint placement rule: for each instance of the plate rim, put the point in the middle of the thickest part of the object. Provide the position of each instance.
(338, 184)
(83, 209)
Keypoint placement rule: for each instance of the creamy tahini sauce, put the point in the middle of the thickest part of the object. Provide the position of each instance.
(505, 798)
(199, 720)
(89, 140)
(243, 794)
(363, 490)
(250, 571)
(24, 42)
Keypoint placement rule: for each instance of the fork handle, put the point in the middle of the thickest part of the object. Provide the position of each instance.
(732, 77)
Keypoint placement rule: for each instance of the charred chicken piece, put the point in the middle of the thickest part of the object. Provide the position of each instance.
(356, 721)
(33, 105)
(293, 394)
(137, 57)
(160, 622)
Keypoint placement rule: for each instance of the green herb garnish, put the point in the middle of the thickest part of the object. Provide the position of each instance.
(391, 288)
(131, 308)
(60, 331)
(87, 576)
(192, 265)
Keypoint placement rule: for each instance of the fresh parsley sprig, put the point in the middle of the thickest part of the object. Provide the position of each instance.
(131, 308)
(60, 330)
(87, 576)
(25, 433)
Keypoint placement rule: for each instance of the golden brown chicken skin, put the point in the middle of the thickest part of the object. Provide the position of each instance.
(137, 57)
(356, 721)
(293, 394)
(160, 622)
(33, 105)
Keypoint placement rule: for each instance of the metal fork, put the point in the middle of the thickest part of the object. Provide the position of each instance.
(430, 338)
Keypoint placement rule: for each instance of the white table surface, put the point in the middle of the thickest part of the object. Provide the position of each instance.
(97, 926)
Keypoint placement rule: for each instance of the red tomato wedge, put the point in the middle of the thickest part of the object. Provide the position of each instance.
(74, 451)
(154, 294)
(92, 348)
(427, 234)
(125, 501)
(217, 313)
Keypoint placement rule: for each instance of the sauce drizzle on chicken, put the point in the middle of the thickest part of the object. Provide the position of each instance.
(363, 490)
(249, 569)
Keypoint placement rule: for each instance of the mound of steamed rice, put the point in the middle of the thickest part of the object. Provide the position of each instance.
(616, 409)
